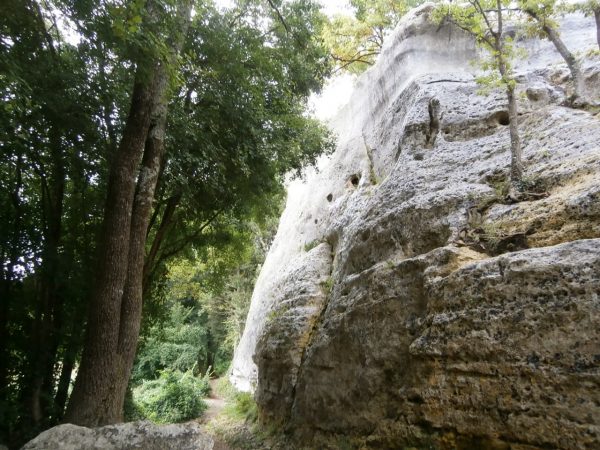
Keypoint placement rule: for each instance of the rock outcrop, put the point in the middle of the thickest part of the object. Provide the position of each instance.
(126, 436)
(406, 301)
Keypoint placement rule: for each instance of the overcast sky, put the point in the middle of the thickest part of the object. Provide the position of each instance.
(329, 6)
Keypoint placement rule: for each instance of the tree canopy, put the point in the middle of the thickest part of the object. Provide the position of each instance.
(225, 95)
(356, 40)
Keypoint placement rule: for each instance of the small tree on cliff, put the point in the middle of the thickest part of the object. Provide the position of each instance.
(590, 8)
(484, 20)
(355, 41)
(542, 14)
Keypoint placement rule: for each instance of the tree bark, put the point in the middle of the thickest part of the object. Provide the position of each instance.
(64, 380)
(46, 336)
(560, 46)
(132, 302)
(92, 402)
(516, 164)
(116, 305)
(597, 17)
(131, 305)
(516, 153)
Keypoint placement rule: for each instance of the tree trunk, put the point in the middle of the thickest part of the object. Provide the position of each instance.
(163, 228)
(569, 58)
(132, 302)
(516, 164)
(92, 402)
(131, 305)
(46, 336)
(62, 390)
(597, 17)
(115, 311)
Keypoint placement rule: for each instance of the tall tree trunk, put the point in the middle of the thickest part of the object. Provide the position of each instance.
(92, 401)
(597, 17)
(5, 292)
(7, 281)
(46, 336)
(516, 154)
(131, 305)
(560, 46)
(116, 306)
(64, 380)
(516, 164)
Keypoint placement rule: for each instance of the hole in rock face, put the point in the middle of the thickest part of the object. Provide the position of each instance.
(354, 180)
(330, 197)
(419, 157)
(503, 118)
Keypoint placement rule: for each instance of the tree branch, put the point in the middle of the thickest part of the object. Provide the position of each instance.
(281, 19)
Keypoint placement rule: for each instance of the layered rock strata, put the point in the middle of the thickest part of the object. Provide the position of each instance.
(406, 301)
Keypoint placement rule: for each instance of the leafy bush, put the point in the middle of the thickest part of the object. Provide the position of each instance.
(173, 397)
(174, 344)
(243, 407)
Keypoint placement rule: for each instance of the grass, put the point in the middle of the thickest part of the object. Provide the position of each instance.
(327, 285)
(310, 245)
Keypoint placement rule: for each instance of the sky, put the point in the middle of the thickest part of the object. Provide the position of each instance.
(330, 7)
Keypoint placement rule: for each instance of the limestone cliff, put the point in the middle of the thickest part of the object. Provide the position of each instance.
(405, 301)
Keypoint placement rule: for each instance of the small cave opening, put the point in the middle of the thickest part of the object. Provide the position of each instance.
(503, 118)
(353, 180)
(330, 197)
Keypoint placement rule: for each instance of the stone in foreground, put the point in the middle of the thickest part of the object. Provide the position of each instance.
(126, 436)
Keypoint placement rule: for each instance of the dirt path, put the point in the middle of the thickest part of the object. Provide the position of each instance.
(214, 402)
(215, 407)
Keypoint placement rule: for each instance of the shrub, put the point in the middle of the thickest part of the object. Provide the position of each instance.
(174, 397)
(243, 407)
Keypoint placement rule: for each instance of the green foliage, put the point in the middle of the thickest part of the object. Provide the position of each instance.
(243, 407)
(587, 7)
(328, 285)
(174, 397)
(310, 245)
(484, 19)
(356, 41)
(172, 345)
(236, 126)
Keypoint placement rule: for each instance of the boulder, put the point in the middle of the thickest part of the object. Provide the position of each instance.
(141, 435)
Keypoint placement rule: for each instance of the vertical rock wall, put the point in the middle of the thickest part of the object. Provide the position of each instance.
(404, 300)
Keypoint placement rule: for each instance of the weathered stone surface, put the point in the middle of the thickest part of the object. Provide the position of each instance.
(126, 436)
(455, 318)
(301, 297)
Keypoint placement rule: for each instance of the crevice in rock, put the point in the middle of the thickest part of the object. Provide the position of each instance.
(372, 175)
(327, 287)
(434, 122)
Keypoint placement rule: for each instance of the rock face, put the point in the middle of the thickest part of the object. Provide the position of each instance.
(126, 436)
(405, 301)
